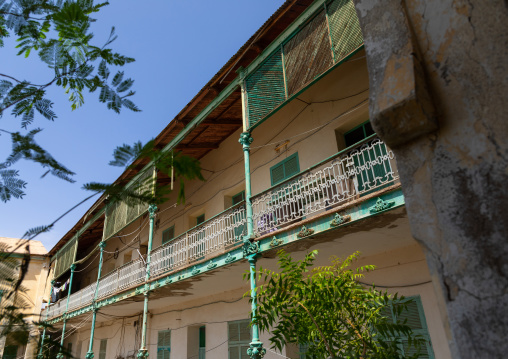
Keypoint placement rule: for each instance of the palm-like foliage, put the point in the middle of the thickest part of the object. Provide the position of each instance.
(328, 310)
(174, 164)
(60, 33)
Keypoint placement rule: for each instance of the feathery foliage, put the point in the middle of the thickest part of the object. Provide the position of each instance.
(180, 166)
(328, 310)
(59, 32)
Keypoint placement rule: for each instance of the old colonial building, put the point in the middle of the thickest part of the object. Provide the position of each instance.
(27, 259)
(290, 160)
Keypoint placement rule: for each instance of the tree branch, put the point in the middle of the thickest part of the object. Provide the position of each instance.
(319, 329)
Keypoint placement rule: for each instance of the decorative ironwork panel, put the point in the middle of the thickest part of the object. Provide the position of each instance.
(108, 284)
(265, 88)
(212, 236)
(360, 171)
(131, 273)
(307, 54)
(345, 29)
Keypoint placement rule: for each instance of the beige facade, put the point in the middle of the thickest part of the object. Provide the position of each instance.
(194, 289)
(31, 296)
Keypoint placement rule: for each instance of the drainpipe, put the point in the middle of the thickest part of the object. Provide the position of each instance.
(60, 354)
(250, 248)
(40, 355)
(89, 354)
(143, 351)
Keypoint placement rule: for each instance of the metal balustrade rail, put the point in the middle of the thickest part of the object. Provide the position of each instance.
(346, 176)
(209, 238)
(131, 273)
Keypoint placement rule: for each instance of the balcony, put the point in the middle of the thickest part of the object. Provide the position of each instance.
(357, 171)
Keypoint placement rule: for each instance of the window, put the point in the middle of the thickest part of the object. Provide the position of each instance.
(69, 350)
(202, 342)
(374, 177)
(102, 349)
(164, 344)
(284, 169)
(358, 133)
(10, 352)
(239, 339)
(239, 197)
(416, 321)
(200, 219)
(168, 234)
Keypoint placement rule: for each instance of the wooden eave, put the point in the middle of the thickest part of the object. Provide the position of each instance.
(219, 124)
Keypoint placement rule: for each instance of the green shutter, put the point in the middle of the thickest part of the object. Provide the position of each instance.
(265, 88)
(414, 317)
(344, 28)
(200, 219)
(164, 344)
(285, 169)
(239, 197)
(103, 348)
(168, 234)
(307, 54)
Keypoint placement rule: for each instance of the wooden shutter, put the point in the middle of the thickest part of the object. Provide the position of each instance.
(265, 88)
(345, 29)
(308, 54)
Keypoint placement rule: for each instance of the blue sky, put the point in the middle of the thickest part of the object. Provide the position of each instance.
(178, 47)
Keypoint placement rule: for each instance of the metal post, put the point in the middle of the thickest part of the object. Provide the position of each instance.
(89, 354)
(256, 350)
(40, 355)
(143, 351)
(246, 140)
(60, 354)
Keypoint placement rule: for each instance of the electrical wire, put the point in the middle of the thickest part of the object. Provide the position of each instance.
(395, 286)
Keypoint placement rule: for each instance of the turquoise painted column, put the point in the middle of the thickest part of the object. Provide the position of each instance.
(60, 354)
(256, 349)
(89, 354)
(246, 140)
(143, 351)
(40, 355)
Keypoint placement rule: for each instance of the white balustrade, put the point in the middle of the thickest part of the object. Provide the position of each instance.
(211, 237)
(108, 284)
(131, 273)
(347, 176)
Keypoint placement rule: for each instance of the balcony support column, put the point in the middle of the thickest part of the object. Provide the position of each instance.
(60, 354)
(246, 139)
(143, 351)
(41, 355)
(256, 350)
(89, 354)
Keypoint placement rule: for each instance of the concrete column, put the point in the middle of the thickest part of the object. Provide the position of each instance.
(438, 82)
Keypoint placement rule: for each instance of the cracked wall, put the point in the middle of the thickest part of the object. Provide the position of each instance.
(438, 80)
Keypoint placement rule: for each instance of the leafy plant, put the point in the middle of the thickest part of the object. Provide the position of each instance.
(326, 309)
(60, 33)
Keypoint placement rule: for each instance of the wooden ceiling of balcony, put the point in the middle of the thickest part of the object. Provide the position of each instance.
(224, 120)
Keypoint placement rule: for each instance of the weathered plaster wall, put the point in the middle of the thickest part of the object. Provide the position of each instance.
(453, 54)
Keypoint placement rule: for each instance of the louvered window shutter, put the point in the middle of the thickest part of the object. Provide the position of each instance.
(285, 169)
(307, 55)
(265, 88)
(414, 317)
(344, 28)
